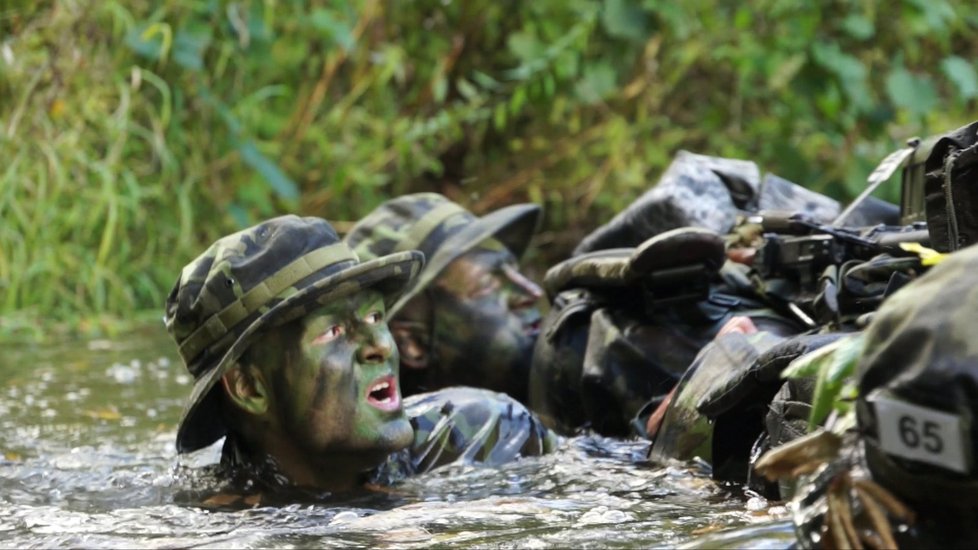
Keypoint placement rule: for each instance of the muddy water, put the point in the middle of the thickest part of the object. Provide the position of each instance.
(87, 460)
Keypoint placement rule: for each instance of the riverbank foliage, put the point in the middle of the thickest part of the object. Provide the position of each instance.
(132, 134)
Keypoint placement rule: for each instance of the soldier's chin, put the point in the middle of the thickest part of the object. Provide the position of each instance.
(521, 339)
(526, 357)
(396, 434)
(517, 383)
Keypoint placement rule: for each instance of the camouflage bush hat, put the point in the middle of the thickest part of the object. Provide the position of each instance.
(441, 229)
(269, 274)
(918, 386)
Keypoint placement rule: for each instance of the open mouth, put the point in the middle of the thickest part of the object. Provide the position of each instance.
(531, 327)
(383, 394)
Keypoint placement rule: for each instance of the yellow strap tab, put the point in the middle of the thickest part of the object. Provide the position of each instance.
(428, 223)
(928, 256)
(221, 322)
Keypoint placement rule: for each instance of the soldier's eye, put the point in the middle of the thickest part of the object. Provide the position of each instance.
(486, 285)
(331, 333)
(374, 317)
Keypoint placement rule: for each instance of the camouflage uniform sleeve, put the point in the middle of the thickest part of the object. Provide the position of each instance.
(467, 425)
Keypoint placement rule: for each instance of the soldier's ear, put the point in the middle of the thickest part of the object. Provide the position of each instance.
(411, 338)
(245, 387)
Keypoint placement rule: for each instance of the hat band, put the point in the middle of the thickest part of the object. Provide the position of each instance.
(223, 321)
(427, 224)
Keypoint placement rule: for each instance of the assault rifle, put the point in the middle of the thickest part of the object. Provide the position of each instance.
(797, 249)
(800, 248)
(793, 265)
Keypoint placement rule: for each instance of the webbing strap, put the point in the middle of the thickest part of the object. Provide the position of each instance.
(428, 223)
(221, 322)
(952, 215)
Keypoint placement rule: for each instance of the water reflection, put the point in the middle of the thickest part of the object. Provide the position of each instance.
(87, 459)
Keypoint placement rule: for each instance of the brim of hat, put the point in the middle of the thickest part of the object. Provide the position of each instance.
(513, 226)
(201, 422)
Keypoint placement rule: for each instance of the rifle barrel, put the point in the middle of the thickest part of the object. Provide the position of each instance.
(917, 236)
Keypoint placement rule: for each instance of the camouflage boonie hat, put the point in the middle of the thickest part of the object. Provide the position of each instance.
(266, 275)
(918, 386)
(439, 228)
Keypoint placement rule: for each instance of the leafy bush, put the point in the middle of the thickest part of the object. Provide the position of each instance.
(135, 133)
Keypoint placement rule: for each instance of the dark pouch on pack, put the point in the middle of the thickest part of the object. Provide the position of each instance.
(951, 189)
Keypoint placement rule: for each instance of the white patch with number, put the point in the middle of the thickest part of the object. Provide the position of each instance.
(918, 433)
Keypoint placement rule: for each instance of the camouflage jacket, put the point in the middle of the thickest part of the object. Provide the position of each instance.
(467, 425)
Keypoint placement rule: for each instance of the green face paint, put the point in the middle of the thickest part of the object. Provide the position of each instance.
(337, 389)
(486, 321)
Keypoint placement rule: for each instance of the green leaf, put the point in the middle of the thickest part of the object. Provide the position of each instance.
(962, 73)
(485, 81)
(269, 170)
(836, 364)
(673, 16)
(148, 40)
(189, 46)
(906, 90)
(743, 18)
(829, 102)
(525, 46)
(858, 27)
(549, 85)
(337, 30)
(622, 19)
(598, 82)
(499, 116)
(257, 29)
(440, 88)
(844, 360)
(466, 89)
(810, 364)
(846, 67)
(937, 14)
(518, 99)
(821, 402)
(786, 71)
(849, 70)
(239, 215)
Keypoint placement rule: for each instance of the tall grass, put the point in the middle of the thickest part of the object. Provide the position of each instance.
(93, 209)
(134, 133)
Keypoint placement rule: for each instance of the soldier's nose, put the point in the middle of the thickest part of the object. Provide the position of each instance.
(376, 349)
(525, 293)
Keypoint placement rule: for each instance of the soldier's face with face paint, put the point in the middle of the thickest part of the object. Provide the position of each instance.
(337, 389)
(486, 321)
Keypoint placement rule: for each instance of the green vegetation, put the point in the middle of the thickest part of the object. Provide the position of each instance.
(134, 133)
(833, 367)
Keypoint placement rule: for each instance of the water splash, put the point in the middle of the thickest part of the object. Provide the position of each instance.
(87, 460)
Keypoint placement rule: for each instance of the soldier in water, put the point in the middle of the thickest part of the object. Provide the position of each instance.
(285, 332)
(470, 318)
